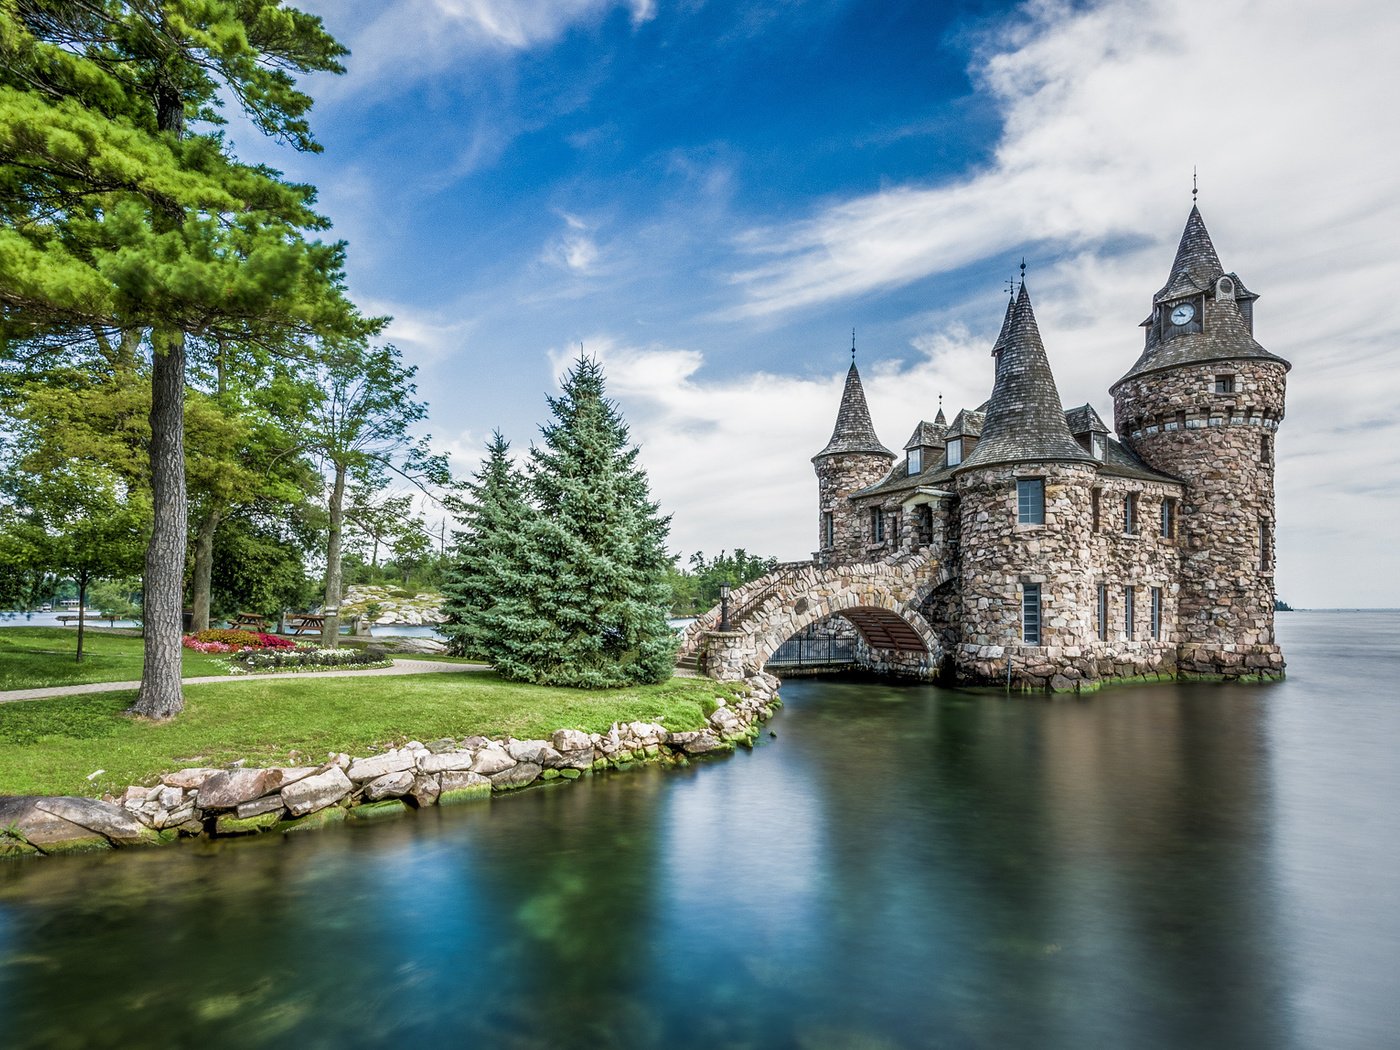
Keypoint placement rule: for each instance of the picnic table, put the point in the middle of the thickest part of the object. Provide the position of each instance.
(305, 624)
(248, 622)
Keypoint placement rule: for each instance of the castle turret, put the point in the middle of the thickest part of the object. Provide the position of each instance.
(1024, 494)
(852, 460)
(1202, 403)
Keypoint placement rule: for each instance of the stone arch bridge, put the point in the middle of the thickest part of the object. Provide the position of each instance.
(884, 600)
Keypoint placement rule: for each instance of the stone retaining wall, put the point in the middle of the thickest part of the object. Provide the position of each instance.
(241, 801)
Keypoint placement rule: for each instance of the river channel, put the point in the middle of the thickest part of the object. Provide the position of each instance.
(1192, 865)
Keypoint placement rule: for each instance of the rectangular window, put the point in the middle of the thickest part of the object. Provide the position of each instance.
(1103, 612)
(1168, 518)
(1224, 384)
(1030, 613)
(1100, 446)
(1265, 547)
(1094, 500)
(828, 529)
(1130, 514)
(1156, 614)
(1128, 612)
(1266, 452)
(916, 461)
(954, 452)
(877, 525)
(1030, 501)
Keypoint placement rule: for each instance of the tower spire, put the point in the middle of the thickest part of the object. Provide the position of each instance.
(1025, 418)
(854, 432)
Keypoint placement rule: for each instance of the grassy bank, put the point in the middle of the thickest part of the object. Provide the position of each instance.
(32, 657)
(48, 747)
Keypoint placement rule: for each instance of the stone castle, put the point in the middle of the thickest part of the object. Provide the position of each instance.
(1068, 552)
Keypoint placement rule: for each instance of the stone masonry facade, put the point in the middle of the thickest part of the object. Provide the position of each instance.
(1033, 544)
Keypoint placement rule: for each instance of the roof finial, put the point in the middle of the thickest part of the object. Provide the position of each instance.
(1023, 271)
(1011, 288)
(1194, 190)
(940, 401)
(853, 346)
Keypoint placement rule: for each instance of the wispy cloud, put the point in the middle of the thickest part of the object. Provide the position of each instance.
(575, 249)
(404, 41)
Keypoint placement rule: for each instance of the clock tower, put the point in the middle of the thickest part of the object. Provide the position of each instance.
(1203, 402)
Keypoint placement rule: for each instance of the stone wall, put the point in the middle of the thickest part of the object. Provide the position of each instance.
(999, 556)
(838, 476)
(242, 801)
(1070, 559)
(1222, 446)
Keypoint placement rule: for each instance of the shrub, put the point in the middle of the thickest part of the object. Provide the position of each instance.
(300, 657)
(226, 636)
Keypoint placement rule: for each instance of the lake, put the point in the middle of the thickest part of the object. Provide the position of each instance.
(1180, 865)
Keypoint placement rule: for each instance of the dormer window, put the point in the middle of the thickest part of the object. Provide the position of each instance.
(1099, 446)
(916, 460)
(955, 449)
(1224, 288)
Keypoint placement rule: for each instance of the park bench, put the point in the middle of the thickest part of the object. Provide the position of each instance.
(305, 624)
(67, 618)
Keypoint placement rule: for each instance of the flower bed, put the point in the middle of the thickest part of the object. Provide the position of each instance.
(301, 656)
(234, 641)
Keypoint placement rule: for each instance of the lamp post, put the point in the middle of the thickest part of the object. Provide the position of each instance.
(724, 606)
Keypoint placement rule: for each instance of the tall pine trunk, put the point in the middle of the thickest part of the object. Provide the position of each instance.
(330, 630)
(201, 584)
(160, 695)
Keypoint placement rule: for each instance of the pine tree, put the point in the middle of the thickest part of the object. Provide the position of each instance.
(478, 584)
(123, 209)
(586, 599)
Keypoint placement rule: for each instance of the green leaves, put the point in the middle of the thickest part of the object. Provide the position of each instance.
(109, 220)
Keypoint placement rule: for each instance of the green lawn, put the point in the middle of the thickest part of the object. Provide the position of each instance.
(31, 657)
(50, 746)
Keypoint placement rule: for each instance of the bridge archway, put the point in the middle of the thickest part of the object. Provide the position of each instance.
(879, 599)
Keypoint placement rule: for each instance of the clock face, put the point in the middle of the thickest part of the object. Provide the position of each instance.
(1183, 313)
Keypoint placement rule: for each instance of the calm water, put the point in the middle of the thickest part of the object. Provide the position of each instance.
(1192, 866)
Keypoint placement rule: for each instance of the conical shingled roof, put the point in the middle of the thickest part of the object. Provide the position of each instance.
(854, 432)
(1025, 418)
(1224, 334)
(1196, 265)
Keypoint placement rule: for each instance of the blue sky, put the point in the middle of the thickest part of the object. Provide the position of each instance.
(710, 195)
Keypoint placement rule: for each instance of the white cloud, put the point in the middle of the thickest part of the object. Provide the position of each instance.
(574, 250)
(409, 39)
(1106, 109)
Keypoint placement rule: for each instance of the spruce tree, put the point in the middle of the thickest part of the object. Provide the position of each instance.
(479, 582)
(586, 601)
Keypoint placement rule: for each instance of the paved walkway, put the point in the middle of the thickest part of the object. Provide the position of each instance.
(401, 667)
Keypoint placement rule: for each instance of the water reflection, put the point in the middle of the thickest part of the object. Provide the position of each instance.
(1194, 865)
